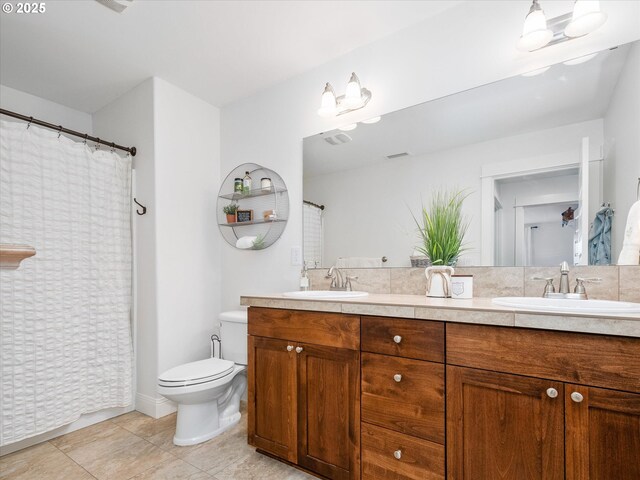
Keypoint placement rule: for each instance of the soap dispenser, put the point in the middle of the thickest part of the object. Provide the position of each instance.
(304, 279)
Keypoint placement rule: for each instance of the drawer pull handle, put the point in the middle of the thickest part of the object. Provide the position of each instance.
(289, 348)
(398, 454)
(397, 377)
(299, 349)
(397, 339)
(577, 397)
(552, 392)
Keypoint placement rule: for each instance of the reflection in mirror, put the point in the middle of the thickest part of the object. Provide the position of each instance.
(540, 155)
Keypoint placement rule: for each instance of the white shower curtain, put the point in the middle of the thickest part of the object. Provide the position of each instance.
(65, 330)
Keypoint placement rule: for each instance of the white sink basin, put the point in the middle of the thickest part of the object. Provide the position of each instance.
(325, 294)
(567, 305)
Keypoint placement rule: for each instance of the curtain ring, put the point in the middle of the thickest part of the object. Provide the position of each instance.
(113, 147)
(98, 144)
(59, 130)
(85, 138)
(30, 122)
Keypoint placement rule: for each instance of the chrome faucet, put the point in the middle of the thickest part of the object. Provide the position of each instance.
(338, 282)
(579, 292)
(564, 277)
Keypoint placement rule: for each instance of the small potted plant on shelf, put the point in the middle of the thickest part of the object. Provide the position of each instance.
(230, 210)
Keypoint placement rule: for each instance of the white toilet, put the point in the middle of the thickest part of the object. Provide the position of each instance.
(208, 392)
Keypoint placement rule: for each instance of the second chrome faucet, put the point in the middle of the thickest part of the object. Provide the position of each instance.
(579, 292)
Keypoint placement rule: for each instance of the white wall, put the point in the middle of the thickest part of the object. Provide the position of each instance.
(32, 106)
(467, 46)
(368, 210)
(178, 265)
(187, 165)
(622, 147)
(130, 120)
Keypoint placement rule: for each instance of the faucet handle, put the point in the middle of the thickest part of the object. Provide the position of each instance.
(549, 287)
(588, 280)
(347, 283)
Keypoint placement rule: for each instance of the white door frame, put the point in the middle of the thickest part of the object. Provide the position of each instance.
(498, 171)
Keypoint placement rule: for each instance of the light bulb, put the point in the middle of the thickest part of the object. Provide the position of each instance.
(353, 94)
(535, 33)
(586, 18)
(348, 128)
(328, 106)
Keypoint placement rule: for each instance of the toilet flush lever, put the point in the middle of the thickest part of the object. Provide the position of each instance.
(216, 339)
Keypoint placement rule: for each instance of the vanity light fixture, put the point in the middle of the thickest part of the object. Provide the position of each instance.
(586, 18)
(354, 98)
(348, 128)
(535, 33)
(538, 32)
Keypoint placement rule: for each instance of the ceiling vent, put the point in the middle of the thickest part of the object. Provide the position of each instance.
(337, 139)
(116, 5)
(398, 155)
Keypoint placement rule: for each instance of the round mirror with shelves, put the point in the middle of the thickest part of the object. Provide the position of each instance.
(252, 217)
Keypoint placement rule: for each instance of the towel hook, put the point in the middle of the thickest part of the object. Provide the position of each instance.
(144, 209)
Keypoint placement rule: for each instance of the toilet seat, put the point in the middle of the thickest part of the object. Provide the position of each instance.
(196, 373)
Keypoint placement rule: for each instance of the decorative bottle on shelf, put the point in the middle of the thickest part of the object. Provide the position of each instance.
(246, 183)
(304, 279)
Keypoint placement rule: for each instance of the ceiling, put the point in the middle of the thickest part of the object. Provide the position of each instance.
(83, 55)
(560, 96)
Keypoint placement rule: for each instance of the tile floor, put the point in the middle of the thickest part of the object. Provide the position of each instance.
(135, 446)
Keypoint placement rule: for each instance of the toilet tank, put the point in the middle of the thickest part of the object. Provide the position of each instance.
(233, 332)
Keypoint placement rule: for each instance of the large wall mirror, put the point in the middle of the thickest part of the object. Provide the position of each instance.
(526, 149)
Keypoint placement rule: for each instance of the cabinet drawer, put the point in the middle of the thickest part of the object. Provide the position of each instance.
(420, 339)
(596, 360)
(319, 328)
(412, 403)
(419, 459)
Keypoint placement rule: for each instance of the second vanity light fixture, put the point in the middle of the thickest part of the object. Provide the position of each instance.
(354, 98)
(538, 32)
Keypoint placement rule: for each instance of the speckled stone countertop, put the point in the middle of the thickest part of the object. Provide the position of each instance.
(476, 310)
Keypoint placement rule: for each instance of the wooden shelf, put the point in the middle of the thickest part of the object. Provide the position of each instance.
(11, 255)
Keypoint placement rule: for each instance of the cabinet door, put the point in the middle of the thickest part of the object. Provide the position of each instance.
(272, 396)
(503, 427)
(602, 434)
(329, 411)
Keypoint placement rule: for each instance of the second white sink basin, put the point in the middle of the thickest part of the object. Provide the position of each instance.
(324, 294)
(567, 305)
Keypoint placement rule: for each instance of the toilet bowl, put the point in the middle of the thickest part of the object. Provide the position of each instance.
(208, 392)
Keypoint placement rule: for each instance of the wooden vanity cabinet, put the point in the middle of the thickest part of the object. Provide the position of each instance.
(518, 406)
(303, 389)
(403, 399)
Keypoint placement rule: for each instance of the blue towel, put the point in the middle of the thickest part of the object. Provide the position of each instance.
(600, 237)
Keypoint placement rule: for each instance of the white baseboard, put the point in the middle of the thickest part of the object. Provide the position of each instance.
(154, 407)
(84, 421)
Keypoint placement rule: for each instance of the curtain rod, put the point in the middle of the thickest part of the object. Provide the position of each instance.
(61, 129)
(321, 207)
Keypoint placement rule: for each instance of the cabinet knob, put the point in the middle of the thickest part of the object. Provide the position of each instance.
(397, 377)
(299, 349)
(398, 454)
(289, 348)
(397, 338)
(552, 392)
(576, 397)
